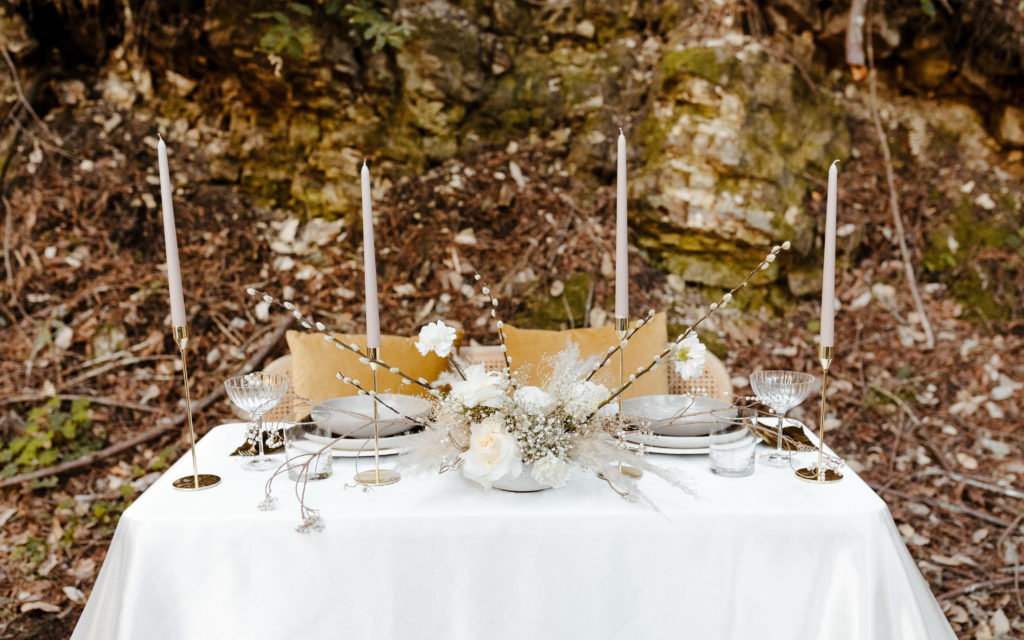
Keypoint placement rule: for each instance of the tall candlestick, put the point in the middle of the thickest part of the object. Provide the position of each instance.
(170, 240)
(828, 285)
(621, 240)
(370, 266)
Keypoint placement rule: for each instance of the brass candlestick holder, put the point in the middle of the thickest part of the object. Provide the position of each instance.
(621, 327)
(819, 474)
(197, 480)
(378, 476)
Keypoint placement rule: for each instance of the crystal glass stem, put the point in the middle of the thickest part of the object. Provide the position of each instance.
(778, 439)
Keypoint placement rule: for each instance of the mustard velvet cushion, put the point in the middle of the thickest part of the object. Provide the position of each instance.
(315, 363)
(530, 351)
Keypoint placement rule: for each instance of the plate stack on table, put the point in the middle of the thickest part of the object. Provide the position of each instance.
(351, 418)
(679, 424)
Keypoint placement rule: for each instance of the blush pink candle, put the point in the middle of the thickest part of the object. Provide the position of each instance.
(370, 265)
(828, 284)
(621, 239)
(170, 240)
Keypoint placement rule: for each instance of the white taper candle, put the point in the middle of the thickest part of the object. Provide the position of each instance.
(621, 237)
(828, 284)
(170, 240)
(370, 265)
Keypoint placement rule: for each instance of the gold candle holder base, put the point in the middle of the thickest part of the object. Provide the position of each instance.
(621, 327)
(378, 477)
(819, 474)
(196, 481)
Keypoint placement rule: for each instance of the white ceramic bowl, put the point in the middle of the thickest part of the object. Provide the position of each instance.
(679, 415)
(352, 416)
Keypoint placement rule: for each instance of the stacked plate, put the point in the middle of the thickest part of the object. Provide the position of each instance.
(680, 424)
(351, 418)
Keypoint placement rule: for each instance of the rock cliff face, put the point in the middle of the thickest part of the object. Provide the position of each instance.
(731, 114)
(726, 136)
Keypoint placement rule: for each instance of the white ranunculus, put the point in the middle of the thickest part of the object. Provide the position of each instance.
(437, 337)
(583, 399)
(480, 388)
(551, 471)
(690, 357)
(534, 400)
(492, 453)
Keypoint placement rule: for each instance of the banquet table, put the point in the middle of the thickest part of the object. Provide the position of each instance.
(434, 556)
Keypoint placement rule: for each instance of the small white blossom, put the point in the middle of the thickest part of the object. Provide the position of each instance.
(583, 399)
(551, 471)
(533, 400)
(786, 245)
(437, 337)
(481, 388)
(690, 357)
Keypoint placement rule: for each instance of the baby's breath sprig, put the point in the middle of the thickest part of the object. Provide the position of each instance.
(486, 290)
(621, 344)
(364, 358)
(665, 354)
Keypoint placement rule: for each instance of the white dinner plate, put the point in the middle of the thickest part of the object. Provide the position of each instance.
(678, 442)
(358, 447)
(679, 415)
(696, 451)
(353, 415)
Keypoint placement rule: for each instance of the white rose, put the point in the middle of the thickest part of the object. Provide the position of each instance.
(551, 471)
(492, 453)
(437, 337)
(480, 388)
(690, 357)
(583, 399)
(533, 400)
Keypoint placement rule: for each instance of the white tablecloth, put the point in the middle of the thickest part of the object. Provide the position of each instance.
(766, 556)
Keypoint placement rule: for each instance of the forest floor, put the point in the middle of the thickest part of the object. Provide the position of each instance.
(935, 432)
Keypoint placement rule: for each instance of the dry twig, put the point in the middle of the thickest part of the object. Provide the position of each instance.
(894, 204)
(149, 434)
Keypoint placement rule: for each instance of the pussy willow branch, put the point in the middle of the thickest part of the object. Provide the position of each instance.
(455, 365)
(309, 323)
(661, 358)
(619, 345)
(486, 290)
(376, 397)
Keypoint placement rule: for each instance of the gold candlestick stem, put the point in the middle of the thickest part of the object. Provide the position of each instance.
(621, 327)
(196, 481)
(378, 476)
(819, 474)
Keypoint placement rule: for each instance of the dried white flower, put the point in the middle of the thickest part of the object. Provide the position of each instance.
(481, 388)
(437, 337)
(690, 357)
(551, 471)
(583, 398)
(533, 400)
(492, 453)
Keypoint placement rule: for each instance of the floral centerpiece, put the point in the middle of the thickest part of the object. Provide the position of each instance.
(502, 434)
